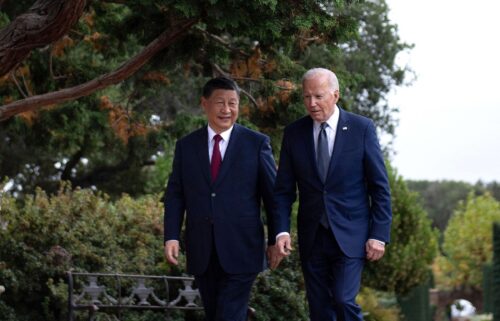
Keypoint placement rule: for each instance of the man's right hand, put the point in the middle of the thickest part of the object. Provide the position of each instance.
(172, 251)
(284, 244)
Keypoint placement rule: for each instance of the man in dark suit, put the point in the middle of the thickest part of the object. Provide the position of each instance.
(334, 159)
(220, 175)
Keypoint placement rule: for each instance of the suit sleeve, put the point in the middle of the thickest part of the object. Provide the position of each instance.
(378, 187)
(174, 199)
(267, 178)
(285, 190)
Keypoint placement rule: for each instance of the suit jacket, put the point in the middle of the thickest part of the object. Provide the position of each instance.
(226, 213)
(355, 195)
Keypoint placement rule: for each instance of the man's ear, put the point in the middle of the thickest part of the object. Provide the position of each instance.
(203, 103)
(336, 94)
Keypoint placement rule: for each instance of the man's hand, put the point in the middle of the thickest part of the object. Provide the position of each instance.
(284, 245)
(273, 256)
(172, 251)
(374, 250)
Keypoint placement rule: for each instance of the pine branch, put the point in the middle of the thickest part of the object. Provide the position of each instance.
(111, 78)
(219, 70)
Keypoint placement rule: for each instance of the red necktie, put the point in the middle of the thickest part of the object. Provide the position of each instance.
(216, 158)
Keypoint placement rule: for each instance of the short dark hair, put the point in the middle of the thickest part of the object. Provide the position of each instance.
(220, 83)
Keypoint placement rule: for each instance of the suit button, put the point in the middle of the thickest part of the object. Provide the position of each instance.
(213, 194)
(324, 192)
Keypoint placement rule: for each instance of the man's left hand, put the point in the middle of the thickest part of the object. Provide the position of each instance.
(374, 250)
(273, 256)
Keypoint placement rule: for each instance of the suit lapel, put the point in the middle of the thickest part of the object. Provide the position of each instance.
(231, 153)
(340, 137)
(202, 153)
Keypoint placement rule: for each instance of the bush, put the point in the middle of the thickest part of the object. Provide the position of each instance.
(373, 307)
(81, 230)
(413, 245)
(279, 295)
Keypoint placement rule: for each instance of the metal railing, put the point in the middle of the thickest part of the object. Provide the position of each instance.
(114, 293)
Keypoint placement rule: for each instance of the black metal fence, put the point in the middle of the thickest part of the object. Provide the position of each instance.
(102, 293)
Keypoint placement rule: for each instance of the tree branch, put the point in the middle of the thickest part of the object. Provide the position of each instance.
(114, 77)
(45, 22)
(219, 70)
(51, 68)
(14, 79)
(223, 42)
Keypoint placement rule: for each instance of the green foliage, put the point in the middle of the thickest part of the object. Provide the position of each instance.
(6, 312)
(46, 236)
(440, 198)
(412, 248)
(372, 303)
(279, 295)
(114, 139)
(4, 20)
(468, 242)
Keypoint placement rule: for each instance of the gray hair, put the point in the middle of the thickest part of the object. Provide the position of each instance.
(332, 78)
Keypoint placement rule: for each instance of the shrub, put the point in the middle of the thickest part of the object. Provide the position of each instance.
(401, 269)
(45, 236)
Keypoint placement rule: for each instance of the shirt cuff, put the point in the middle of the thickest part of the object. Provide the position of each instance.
(380, 242)
(282, 233)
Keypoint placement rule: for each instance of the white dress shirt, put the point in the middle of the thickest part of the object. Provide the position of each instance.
(222, 144)
(330, 130)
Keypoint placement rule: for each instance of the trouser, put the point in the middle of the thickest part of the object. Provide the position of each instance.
(225, 296)
(332, 280)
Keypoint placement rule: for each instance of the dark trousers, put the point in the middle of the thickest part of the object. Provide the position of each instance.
(225, 296)
(332, 280)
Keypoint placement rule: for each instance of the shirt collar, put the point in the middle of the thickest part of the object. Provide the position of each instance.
(225, 134)
(332, 121)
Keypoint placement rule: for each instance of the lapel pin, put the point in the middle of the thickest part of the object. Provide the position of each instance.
(344, 128)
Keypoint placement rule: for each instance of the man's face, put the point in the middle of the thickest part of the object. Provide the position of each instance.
(222, 109)
(319, 98)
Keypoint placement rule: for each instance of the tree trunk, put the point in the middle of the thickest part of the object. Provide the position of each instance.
(114, 77)
(45, 22)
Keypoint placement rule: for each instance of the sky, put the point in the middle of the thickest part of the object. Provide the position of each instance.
(449, 118)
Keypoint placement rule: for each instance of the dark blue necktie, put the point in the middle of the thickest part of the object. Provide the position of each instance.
(323, 160)
(322, 154)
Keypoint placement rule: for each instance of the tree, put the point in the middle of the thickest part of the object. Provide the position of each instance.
(413, 247)
(275, 21)
(113, 139)
(440, 198)
(468, 246)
